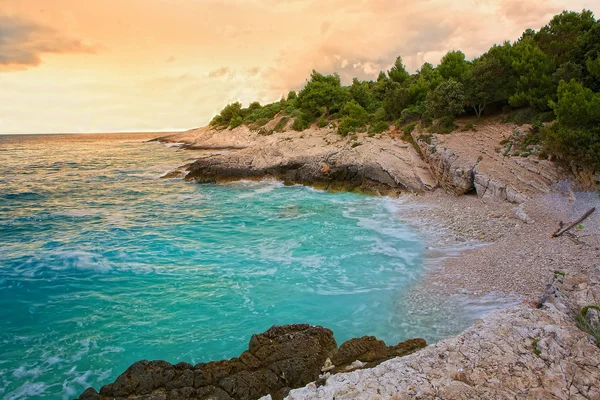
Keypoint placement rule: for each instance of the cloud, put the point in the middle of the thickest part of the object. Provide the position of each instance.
(23, 43)
(221, 72)
(529, 14)
(361, 38)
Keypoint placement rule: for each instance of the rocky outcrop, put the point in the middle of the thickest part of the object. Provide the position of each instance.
(530, 351)
(316, 157)
(461, 162)
(282, 358)
(475, 162)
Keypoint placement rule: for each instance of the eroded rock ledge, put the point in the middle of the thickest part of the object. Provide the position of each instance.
(461, 162)
(280, 359)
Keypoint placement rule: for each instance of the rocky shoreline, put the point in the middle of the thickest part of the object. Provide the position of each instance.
(485, 195)
(278, 360)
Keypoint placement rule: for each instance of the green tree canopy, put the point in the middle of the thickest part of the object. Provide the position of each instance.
(398, 72)
(535, 85)
(454, 66)
(322, 92)
(448, 99)
(559, 38)
(483, 83)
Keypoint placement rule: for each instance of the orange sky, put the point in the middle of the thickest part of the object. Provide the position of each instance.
(148, 65)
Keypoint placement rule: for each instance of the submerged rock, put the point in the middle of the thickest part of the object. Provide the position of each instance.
(278, 360)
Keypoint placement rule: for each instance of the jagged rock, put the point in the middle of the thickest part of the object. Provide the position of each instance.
(282, 358)
(371, 352)
(316, 157)
(467, 162)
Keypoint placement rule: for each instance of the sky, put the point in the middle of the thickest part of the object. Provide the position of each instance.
(165, 65)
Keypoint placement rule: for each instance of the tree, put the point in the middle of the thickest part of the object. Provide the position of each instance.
(535, 85)
(395, 100)
(398, 72)
(576, 135)
(430, 75)
(559, 38)
(356, 117)
(448, 99)
(321, 92)
(453, 66)
(483, 83)
(361, 92)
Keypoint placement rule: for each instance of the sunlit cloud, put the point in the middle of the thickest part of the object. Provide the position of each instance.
(173, 67)
(23, 43)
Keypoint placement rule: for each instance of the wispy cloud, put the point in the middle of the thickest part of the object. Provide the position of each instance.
(23, 43)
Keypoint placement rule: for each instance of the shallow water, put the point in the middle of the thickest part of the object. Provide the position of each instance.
(103, 264)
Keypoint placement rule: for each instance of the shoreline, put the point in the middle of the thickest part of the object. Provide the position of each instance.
(484, 253)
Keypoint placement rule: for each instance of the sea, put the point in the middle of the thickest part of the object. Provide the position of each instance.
(104, 263)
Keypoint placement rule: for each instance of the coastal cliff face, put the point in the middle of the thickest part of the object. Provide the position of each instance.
(316, 157)
(461, 162)
(282, 358)
(476, 162)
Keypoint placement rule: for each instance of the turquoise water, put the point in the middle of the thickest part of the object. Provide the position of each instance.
(103, 264)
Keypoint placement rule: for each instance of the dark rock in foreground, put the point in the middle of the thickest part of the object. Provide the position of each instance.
(280, 359)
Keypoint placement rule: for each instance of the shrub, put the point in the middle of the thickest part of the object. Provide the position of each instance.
(236, 121)
(322, 123)
(260, 122)
(521, 116)
(379, 127)
(217, 120)
(578, 145)
(576, 135)
(412, 113)
(447, 100)
(281, 124)
(378, 115)
(356, 118)
(407, 129)
(444, 125)
(468, 127)
(300, 124)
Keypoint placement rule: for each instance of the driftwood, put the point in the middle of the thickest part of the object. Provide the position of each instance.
(561, 231)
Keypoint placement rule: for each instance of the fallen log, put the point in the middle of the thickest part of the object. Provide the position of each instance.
(580, 220)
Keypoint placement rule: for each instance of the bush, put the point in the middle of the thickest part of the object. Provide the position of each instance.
(412, 114)
(447, 100)
(407, 129)
(260, 122)
(236, 121)
(346, 126)
(377, 116)
(217, 120)
(468, 127)
(300, 124)
(281, 124)
(581, 146)
(522, 116)
(379, 127)
(322, 123)
(444, 125)
(356, 118)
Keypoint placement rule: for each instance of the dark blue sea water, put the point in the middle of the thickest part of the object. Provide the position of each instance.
(103, 264)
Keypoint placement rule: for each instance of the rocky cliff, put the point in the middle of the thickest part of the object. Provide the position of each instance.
(461, 162)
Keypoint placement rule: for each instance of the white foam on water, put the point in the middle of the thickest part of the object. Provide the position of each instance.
(25, 372)
(110, 349)
(83, 260)
(28, 389)
(261, 187)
